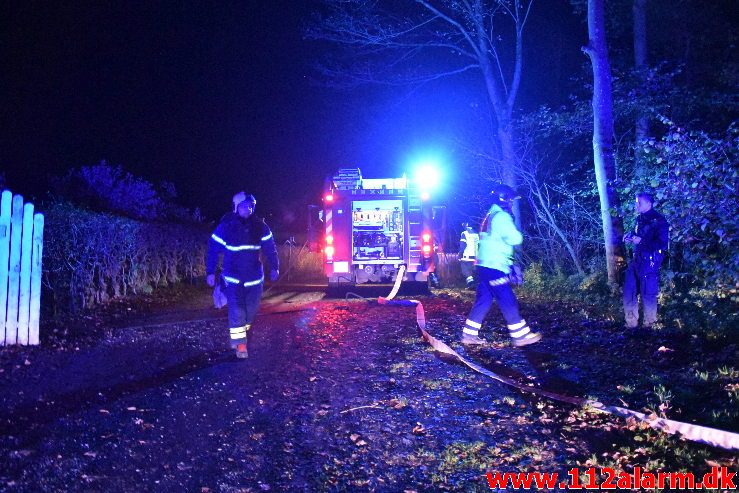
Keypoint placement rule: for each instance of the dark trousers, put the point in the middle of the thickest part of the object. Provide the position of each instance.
(468, 270)
(243, 304)
(642, 278)
(494, 285)
(487, 291)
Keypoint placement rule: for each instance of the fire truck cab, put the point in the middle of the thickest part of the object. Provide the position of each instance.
(373, 226)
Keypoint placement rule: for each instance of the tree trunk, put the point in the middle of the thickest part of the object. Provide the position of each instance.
(639, 10)
(502, 105)
(604, 160)
(510, 163)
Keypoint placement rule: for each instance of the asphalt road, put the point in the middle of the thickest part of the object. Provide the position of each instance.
(336, 395)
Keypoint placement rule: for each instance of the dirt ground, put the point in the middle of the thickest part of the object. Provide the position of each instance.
(342, 395)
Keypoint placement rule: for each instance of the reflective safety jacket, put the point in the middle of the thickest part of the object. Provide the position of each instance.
(240, 241)
(468, 246)
(498, 235)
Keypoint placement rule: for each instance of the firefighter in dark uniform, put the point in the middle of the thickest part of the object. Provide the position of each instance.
(240, 237)
(650, 241)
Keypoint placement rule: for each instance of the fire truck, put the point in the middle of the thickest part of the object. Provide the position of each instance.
(373, 226)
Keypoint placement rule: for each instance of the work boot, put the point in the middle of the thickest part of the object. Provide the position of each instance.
(470, 339)
(241, 351)
(530, 338)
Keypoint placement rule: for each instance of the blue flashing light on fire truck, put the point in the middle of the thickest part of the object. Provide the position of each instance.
(375, 225)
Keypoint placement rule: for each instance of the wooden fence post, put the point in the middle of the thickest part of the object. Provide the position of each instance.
(5, 202)
(21, 237)
(24, 299)
(38, 248)
(14, 270)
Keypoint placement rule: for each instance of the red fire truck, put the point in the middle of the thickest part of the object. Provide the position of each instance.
(373, 226)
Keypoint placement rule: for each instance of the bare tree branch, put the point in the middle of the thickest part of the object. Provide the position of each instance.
(393, 43)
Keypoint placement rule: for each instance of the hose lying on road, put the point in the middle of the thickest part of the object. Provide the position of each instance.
(695, 433)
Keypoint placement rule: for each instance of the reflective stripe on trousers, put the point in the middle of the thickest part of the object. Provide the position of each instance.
(494, 285)
(243, 304)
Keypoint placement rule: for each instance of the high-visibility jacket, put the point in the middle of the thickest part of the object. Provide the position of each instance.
(240, 241)
(468, 245)
(498, 236)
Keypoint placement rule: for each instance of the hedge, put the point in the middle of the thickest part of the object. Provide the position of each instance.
(92, 257)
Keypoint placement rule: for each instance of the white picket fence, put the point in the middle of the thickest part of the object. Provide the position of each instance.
(21, 246)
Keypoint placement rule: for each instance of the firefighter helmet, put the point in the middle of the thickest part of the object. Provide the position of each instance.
(503, 195)
(243, 196)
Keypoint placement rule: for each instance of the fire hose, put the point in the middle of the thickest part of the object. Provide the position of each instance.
(696, 433)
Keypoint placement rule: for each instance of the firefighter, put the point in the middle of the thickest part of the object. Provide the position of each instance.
(468, 253)
(219, 298)
(239, 238)
(498, 236)
(642, 274)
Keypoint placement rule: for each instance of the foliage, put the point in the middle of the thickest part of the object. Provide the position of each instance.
(298, 264)
(107, 188)
(91, 257)
(693, 310)
(538, 283)
(449, 271)
(695, 182)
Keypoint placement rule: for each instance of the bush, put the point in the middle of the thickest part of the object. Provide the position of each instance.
(298, 264)
(695, 182)
(449, 271)
(107, 188)
(92, 257)
(557, 285)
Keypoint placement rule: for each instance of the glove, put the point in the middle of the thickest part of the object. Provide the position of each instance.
(274, 274)
(516, 275)
(219, 297)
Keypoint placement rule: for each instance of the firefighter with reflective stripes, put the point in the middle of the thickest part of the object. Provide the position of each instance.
(468, 254)
(498, 236)
(240, 238)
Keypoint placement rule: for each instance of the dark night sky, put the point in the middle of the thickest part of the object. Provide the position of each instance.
(217, 96)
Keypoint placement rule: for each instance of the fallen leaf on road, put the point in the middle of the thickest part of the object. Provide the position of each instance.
(419, 429)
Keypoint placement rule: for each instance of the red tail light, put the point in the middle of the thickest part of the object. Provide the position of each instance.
(329, 198)
(329, 240)
(329, 250)
(427, 250)
(426, 237)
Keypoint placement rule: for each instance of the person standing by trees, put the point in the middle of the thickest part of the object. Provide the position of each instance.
(468, 253)
(498, 236)
(650, 240)
(239, 238)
